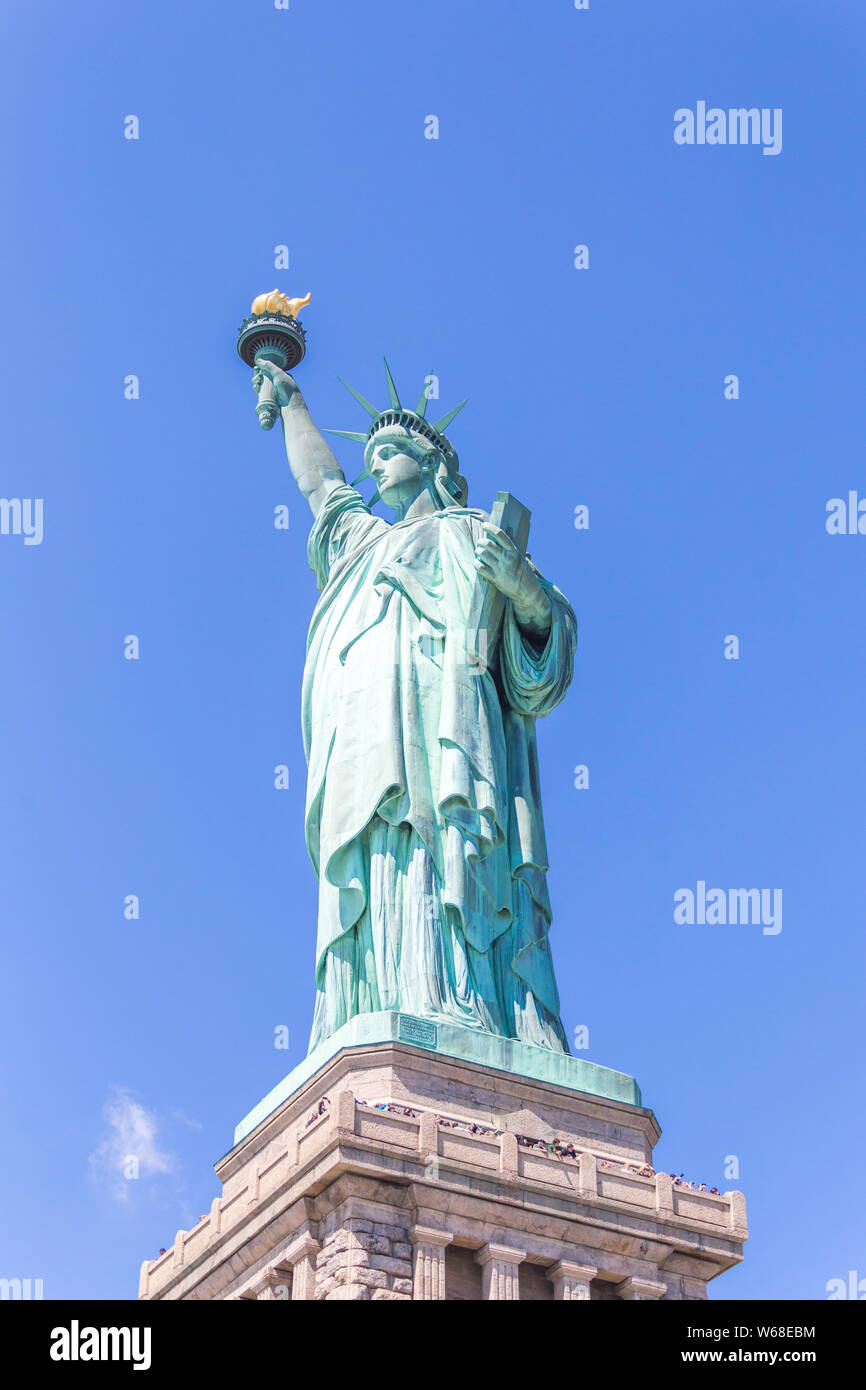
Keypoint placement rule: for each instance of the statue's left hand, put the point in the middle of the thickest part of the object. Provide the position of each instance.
(498, 559)
(505, 566)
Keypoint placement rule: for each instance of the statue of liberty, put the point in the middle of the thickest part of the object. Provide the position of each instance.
(423, 812)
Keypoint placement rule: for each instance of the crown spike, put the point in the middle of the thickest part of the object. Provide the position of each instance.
(370, 409)
(365, 473)
(443, 424)
(421, 407)
(392, 389)
(349, 434)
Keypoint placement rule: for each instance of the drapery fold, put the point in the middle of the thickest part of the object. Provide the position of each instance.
(402, 730)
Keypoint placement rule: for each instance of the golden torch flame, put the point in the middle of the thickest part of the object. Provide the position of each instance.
(278, 303)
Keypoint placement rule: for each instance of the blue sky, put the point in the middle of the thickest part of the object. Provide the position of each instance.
(602, 387)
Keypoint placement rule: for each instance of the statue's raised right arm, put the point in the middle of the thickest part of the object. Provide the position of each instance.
(313, 465)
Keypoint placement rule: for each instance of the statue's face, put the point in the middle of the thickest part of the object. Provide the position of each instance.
(396, 473)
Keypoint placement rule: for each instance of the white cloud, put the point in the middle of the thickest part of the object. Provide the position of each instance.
(129, 1151)
(186, 1120)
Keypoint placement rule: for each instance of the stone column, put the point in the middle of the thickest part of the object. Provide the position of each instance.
(664, 1194)
(587, 1175)
(343, 1114)
(509, 1161)
(641, 1290)
(302, 1258)
(739, 1225)
(277, 1286)
(499, 1265)
(428, 1261)
(428, 1144)
(571, 1281)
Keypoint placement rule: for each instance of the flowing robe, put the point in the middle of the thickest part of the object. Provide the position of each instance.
(423, 816)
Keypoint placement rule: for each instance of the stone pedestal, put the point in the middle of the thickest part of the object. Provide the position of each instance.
(395, 1172)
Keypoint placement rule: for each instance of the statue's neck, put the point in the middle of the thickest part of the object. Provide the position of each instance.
(422, 505)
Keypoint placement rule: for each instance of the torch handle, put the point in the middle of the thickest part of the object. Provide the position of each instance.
(268, 407)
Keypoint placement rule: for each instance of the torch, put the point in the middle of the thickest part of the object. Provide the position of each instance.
(273, 332)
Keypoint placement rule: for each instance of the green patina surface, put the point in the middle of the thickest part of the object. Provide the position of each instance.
(434, 647)
(451, 1040)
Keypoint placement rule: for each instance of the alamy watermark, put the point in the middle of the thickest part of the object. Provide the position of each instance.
(22, 516)
(720, 907)
(23, 1289)
(846, 516)
(853, 1287)
(713, 125)
(77, 1343)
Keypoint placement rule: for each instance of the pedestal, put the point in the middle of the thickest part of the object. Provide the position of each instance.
(394, 1171)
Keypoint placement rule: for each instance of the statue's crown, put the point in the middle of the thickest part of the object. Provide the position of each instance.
(398, 414)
